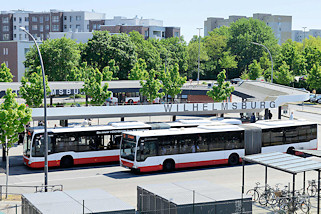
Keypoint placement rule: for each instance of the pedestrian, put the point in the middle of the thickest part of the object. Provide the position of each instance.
(253, 118)
(291, 116)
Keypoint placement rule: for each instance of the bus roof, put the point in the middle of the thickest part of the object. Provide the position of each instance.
(267, 124)
(182, 131)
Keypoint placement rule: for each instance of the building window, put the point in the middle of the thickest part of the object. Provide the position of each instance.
(20, 19)
(95, 27)
(47, 27)
(7, 63)
(70, 18)
(78, 18)
(34, 19)
(5, 28)
(5, 51)
(55, 27)
(87, 27)
(25, 36)
(47, 18)
(65, 26)
(146, 33)
(26, 19)
(41, 36)
(78, 27)
(41, 28)
(27, 27)
(14, 19)
(41, 19)
(20, 36)
(55, 19)
(5, 19)
(34, 27)
(15, 27)
(163, 34)
(14, 35)
(65, 18)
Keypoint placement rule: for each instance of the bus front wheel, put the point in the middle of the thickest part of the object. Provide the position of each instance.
(233, 159)
(67, 161)
(168, 165)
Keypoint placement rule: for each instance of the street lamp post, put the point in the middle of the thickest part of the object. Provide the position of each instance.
(199, 53)
(255, 43)
(44, 109)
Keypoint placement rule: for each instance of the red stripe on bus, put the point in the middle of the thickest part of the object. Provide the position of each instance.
(127, 164)
(78, 161)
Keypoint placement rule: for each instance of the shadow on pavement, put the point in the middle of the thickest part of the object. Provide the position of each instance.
(18, 168)
(126, 173)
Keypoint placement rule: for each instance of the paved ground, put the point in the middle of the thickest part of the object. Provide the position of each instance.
(122, 184)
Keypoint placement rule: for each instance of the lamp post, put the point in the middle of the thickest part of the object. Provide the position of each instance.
(255, 43)
(199, 53)
(44, 109)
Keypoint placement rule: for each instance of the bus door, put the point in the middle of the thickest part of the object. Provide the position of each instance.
(252, 140)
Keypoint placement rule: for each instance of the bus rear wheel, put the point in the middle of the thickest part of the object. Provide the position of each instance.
(233, 159)
(67, 161)
(168, 165)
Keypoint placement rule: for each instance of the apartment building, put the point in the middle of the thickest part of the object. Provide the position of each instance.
(149, 28)
(281, 25)
(13, 53)
(78, 21)
(299, 35)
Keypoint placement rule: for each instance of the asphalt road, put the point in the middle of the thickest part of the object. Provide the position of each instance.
(123, 184)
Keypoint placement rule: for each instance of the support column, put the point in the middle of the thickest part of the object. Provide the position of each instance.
(265, 177)
(293, 192)
(279, 112)
(243, 176)
(303, 182)
(318, 192)
(122, 119)
(174, 117)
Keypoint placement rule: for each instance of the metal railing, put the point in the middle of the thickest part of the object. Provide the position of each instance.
(50, 188)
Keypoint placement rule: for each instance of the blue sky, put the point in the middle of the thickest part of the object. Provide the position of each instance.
(187, 14)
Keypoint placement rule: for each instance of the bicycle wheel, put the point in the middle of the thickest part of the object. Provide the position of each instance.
(305, 206)
(272, 199)
(263, 199)
(284, 204)
(254, 194)
(312, 190)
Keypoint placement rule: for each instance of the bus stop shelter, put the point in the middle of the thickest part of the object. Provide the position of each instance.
(286, 163)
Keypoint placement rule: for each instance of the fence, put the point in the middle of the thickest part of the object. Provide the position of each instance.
(14, 189)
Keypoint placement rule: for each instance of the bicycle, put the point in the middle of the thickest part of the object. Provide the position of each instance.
(312, 188)
(255, 193)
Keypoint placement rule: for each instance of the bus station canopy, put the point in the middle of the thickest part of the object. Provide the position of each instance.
(284, 162)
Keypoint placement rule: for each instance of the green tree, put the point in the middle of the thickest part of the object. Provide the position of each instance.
(31, 89)
(172, 81)
(60, 56)
(291, 54)
(151, 86)
(5, 74)
(103, 47)
(110, 71)
(222, 90)
(284, 75)
(92, 87)
(139, 71)
(146, 50)
(314, 78)
(255, 70)
(13, 118)
(192, 58)
(242, 33)
(227, 61)
(176, 52)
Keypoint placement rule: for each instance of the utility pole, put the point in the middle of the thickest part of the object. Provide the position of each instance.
(199, 53)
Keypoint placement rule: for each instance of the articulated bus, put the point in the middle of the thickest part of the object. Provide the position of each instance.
(69, 146)
(153, 150)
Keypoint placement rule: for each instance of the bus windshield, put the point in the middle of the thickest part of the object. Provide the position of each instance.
(127, 150)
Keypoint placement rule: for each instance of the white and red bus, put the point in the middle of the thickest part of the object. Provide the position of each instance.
(85, 144)
(166, 150)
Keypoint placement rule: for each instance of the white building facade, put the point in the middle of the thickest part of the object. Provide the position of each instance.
(78, 21)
